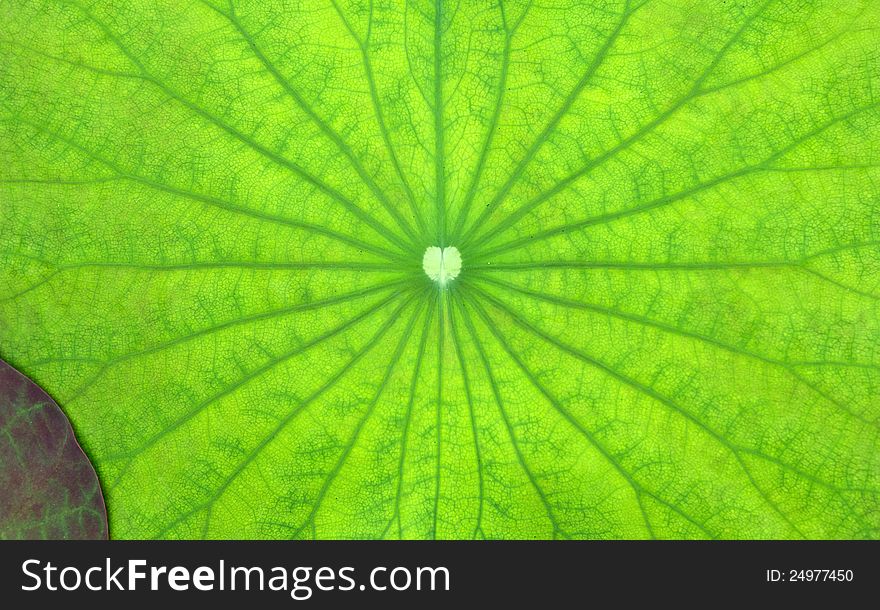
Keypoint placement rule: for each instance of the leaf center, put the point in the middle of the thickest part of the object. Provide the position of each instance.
(442, 264)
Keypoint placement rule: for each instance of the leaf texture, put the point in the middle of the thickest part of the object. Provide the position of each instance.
(665, 324)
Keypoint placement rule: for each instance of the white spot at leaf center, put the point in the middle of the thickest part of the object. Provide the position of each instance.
(442, 264)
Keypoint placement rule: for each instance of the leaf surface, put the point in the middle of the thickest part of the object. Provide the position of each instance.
(665, 322)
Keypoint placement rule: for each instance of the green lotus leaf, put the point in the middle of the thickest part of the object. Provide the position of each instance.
(483, 269)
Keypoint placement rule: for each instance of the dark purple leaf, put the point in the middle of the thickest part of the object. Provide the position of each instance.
(48, 488)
